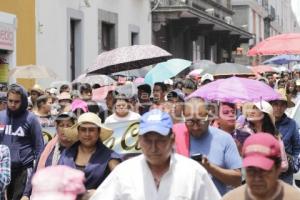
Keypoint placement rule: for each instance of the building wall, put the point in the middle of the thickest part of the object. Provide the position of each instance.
(285, 21)
(53, 37)
(25, 39)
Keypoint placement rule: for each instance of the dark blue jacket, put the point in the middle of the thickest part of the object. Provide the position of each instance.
(290, 135)
(20, 130)
(289, 130)
(97, 168)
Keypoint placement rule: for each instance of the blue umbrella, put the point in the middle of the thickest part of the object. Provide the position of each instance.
(282, 59)
(166, 70)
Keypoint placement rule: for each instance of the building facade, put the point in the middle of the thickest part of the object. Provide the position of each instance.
(66, 36)
(263, 18)
(17, 27)
(195, 30)
(70, 40)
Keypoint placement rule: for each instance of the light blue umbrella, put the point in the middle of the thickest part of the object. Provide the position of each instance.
(282, 59)
(166, 70)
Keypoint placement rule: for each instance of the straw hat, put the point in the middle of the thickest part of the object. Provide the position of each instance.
(64, 96)
(283, 97)
(88, 117)
(37, 88)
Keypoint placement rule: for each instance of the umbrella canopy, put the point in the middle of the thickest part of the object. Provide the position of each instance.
(134, 72)
(100, 94)
(225, 69)
(196, 72)
(236, 90)
(259, 69)
(296, 67)
(282, 59)
(277, 45)
(139, 81)
(95, 79)
(126, 58)
(32, 71)
(166, 70)
(129, 90)
(281, 69)
(58, 84)
(202, 64)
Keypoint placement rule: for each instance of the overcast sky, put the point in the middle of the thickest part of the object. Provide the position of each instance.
(296, 8)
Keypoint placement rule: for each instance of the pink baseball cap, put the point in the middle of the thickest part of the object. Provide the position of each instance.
(78, 103)
(260, 150)
(57, 182)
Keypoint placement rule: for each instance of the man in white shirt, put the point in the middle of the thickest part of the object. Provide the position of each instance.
(122, 112)
(159, 173)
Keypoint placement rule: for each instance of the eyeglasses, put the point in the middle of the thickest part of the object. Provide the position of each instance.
(192, 122)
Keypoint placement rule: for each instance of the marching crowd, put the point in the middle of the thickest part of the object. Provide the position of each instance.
(52, 143)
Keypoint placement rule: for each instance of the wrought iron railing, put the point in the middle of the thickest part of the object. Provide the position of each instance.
(224, 3)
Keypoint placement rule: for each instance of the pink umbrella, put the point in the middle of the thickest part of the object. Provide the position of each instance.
(100, 94)
(139, 80)
(236, 90)
(196, 72)
(276, 45)
(259, 69)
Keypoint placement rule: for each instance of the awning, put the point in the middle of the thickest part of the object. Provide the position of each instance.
(183, 11)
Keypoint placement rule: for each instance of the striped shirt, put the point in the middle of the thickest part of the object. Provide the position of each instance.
(4, 169)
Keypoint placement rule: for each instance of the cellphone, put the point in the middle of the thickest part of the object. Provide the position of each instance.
(197, 157)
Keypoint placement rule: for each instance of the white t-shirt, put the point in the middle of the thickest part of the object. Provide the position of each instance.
(130, 117)
(133, 180)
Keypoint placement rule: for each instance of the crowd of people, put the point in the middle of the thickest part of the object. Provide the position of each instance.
(52, 143)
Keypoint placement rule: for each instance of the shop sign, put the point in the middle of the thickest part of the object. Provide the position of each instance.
(3, 73)
(6, 38)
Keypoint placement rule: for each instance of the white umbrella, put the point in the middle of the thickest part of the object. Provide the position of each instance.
(95, 79)
(32, 71)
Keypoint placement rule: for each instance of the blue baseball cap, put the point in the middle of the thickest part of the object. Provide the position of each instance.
(156, 121)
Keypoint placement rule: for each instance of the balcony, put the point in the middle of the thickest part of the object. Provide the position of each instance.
(202, 14)
(271, 14)
(218, 5)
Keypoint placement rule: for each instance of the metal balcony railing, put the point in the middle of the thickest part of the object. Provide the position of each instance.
(224, 3)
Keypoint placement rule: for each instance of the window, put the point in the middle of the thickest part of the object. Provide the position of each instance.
(134, 38)
(108, 36)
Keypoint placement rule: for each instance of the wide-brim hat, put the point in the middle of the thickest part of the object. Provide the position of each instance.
(37, 88)
(266, 107)
(88, 117)
(283, 97)
(64, 96)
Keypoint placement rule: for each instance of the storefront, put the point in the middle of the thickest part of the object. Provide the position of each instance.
(7, 45)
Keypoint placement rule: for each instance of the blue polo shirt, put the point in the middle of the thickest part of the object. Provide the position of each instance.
(220, 149)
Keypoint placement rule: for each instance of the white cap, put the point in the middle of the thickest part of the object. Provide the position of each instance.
(266, 107)
(207, 77)
(168, 82)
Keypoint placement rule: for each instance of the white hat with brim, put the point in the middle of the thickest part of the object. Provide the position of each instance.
(89, 117)
(266, 107)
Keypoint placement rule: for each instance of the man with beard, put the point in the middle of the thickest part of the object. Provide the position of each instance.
(20, 130)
